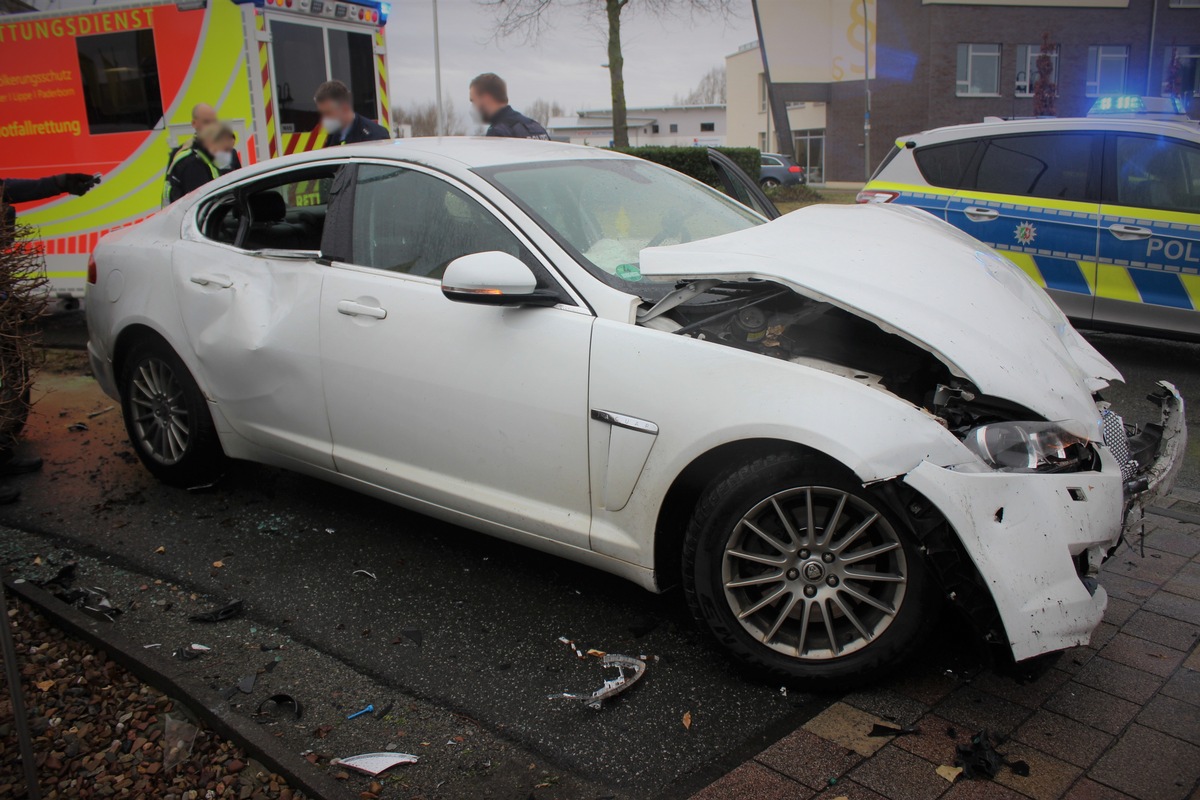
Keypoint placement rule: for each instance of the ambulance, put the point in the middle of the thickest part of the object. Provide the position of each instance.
(109, 90)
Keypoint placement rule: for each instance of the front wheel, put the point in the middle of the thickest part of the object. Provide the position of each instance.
(800, 572)
(167, 417)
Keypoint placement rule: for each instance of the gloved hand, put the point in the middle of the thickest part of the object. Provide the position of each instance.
(75, 182)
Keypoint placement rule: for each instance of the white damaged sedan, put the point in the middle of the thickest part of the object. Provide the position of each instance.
(825, 426)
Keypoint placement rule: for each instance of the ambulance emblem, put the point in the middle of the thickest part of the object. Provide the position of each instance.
(1025, 233)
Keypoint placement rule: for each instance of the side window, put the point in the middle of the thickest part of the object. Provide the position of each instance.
(1157, 173)
(288, 212)
(943, 165)
(770, 162)
(221, 219)
(1053, 165)
(412, 222)
(120, 81)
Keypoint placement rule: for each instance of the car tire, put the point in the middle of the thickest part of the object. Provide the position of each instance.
(854, 629)
(167, 418)
(769, 183)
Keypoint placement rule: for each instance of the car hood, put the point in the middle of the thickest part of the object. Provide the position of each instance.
(919, 277)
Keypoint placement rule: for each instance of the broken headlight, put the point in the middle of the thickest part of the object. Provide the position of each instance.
(1031, 446)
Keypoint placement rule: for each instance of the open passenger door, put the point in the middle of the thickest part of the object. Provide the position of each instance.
(738, 185)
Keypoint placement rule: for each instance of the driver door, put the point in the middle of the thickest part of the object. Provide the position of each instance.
(470, 409)
(738, 185)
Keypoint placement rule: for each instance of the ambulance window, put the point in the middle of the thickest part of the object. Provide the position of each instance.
(352, 61)
(944, 164)
(1051, 165)
(120, 81)
(299, 69)
(1157, 173)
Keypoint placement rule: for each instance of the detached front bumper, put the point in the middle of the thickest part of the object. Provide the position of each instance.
(1038, 539)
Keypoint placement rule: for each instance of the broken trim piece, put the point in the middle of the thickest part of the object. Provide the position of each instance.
(375, 763)
(611, 686)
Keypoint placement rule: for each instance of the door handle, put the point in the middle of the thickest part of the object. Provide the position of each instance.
(220, 281)
(977, 214)
(1128, 233)
(352, 309)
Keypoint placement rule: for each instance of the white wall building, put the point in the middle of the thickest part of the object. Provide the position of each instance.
(665, 126)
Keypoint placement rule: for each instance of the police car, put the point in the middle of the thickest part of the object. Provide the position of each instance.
(1102, 212)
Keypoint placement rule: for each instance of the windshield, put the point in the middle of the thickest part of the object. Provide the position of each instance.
(606, 211)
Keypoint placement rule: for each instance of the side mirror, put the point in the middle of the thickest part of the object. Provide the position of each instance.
(493, 278)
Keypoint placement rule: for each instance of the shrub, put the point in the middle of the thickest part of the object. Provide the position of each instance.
(797, 193)
(693, 161)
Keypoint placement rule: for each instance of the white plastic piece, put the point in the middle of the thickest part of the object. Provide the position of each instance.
(375, 763)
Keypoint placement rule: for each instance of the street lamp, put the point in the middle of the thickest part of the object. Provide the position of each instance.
(437, 73)
(867, 92)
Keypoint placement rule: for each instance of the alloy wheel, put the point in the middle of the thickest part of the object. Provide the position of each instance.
(814, 573)
(160, 417)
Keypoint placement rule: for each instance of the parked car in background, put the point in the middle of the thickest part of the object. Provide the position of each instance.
(1103, 213)
(824, 426)
(779, 170)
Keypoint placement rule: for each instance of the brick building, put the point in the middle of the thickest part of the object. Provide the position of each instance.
(943, 62)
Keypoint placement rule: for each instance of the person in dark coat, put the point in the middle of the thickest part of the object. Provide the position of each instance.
(489, 100)
(339, 119)
(26, 190)
(207, 157)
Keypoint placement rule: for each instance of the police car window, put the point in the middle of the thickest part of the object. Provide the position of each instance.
(1157, 173)
(943, 165)
(412, 222)
(119, 72)
(1052, 165)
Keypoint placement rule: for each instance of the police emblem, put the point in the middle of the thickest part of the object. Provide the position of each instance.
(1025, 233)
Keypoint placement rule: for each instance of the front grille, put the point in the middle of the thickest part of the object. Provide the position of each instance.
(1117, 440)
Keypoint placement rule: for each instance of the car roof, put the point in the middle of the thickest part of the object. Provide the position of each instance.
(994, 127)
(472, 151)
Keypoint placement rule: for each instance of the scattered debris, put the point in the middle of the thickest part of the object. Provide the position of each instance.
(370, 707)
(383, 712)
(981, 759)
(221, 614)
(611, 686)
(370, 575)
(101, 412)
(191, 651)
(276, 702)
(150, 646)
(160, 550)
(218, 564)
(596, 653)
(687, 720)
(179, 736)
(413, 635)
(77, 427)
(888, 730)
(376, 763)
(321, 731)
(578, 653)
(91, 599)
(203, 487)
(949, 773)
(246, 684)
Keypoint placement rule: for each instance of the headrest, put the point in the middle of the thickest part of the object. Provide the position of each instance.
(267, 207)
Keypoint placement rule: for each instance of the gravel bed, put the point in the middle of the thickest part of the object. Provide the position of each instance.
(99, 731)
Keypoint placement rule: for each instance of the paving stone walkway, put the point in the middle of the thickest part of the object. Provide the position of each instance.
(1117, 719)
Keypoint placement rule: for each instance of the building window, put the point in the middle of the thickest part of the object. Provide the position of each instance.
(120, 81)
(708, 127)
(762, 142)
(1027, 70)
(1106, 69)
(654, 129)
(763, 94)
(1181, 72)
(978, 70)
(674, 127)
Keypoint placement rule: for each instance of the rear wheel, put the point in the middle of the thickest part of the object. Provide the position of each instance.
(800, 572)
(167, 417)
(768, 183)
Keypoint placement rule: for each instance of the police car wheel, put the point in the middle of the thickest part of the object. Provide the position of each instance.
(167, 417)
(800, 573)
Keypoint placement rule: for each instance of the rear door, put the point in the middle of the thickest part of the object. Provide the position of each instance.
(738, 185)
(1150, 234)
(942, 167)
(1035, 196)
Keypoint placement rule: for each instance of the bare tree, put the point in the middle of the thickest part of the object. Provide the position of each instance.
(543, 110)
(710, 90)
(530, 18)
(423, 118)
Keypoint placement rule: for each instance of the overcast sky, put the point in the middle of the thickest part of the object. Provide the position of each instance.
(663, 57)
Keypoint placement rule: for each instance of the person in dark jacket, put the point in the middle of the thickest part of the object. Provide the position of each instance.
(339, 119)
(206, 158)
(489, 99)
(22, 190)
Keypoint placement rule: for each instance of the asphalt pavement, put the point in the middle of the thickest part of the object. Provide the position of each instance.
(488, 614)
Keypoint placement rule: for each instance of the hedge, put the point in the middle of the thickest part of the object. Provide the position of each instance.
(693, 161)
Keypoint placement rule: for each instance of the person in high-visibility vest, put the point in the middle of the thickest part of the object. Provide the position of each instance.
(197, 163)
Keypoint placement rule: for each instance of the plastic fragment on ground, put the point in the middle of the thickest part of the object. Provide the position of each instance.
(629, 671)
(949, 773)
(228, 611)
(889, 730)
(376, 763)
(178, 738)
